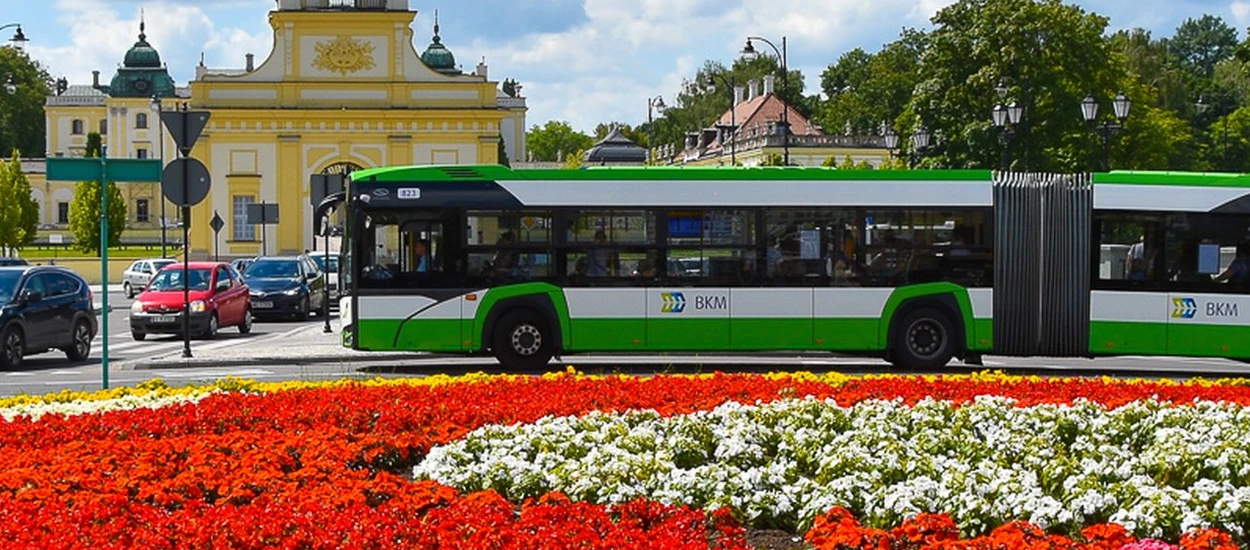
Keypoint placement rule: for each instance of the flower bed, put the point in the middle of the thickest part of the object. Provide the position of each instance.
(331, 465)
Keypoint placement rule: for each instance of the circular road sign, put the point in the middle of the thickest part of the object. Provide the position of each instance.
(185, 182)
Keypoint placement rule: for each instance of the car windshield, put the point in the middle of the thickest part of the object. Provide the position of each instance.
(8, 285)
(171, 279)
(159, 264)
(286, 269)
(321, 262)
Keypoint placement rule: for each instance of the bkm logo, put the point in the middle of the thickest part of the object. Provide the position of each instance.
(1184, 308)
(673, 302)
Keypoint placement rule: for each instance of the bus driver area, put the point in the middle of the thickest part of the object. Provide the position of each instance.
(529, 264)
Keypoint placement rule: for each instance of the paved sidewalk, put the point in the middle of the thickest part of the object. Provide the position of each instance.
(301, 346)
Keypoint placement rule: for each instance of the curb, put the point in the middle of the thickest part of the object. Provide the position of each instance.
(195, 363)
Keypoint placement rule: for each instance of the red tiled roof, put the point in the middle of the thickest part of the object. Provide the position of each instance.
(762, 110)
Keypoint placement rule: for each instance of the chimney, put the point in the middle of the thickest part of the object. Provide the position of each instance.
(481, 68)
(95, 79)
(755, 89)
(739, 94)
(251, 62)
(769, 83)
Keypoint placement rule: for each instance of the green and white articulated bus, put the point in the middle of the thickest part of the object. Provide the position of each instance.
(917, 267)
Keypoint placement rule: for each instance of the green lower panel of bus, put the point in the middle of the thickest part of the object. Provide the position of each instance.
(433, 335)
(688, 334)
(983, 338)
(771, 334)
(609, 334)
(848, 334)
(1209, 340)
(1120, 338)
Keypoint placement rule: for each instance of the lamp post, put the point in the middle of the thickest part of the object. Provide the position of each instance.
(19, 39)
(919, 143)
(1222, 110)
(653, 104)
(890, 137)
(1006, 119)
(157, 107)
(748, 54)
(1107, 128)
(733, 115)
(10, 87)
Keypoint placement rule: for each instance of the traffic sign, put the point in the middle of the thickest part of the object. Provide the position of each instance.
(185, 127)
(186, 182)
(217, 223)
(91, 169)
(324, 185)
(262, 214)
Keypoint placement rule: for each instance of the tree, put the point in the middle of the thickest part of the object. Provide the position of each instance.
(573, 161)
(22, 123)
(872, 89)
(19, 211)
(1147, 59)
(84, 211)
(554, 139)
(1050, 55)
(1200, 44)
(503, 152)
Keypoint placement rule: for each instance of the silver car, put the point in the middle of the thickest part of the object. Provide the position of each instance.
(139, 274)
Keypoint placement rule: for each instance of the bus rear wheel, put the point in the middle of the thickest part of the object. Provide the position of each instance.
(522, 340)
(925, 339)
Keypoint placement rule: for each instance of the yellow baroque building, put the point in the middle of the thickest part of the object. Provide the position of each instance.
(344, 88)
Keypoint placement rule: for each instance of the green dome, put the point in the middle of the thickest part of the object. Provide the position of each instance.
(437, 56)
(142, 54)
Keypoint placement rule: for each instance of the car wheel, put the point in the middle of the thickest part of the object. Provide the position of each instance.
(139, 336)
(246, 327)
(211, 332)
(12, 348)
(925, 340)
(128, 290)
(80, 350)
(523, 341)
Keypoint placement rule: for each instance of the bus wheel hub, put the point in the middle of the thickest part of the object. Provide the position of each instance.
(527, 340)
(925, 338)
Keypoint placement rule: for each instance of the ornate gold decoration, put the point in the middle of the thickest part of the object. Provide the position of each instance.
(344, 55)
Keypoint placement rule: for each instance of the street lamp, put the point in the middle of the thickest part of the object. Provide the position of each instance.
(1222, 110)
(158, 108)
(748, 54)
(9, 85)
(890, 137)
(1005, 119)
(733, 115)
(19, 39)
(653, 104)
(919, 143)
(1089, 111)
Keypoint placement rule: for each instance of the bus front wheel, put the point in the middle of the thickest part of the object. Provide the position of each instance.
(925, 339)
(522, 340)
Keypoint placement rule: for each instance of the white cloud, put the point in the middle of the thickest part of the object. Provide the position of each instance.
(1241, 12)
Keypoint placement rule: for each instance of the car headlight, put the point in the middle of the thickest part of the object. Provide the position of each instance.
(292, 292)
(136, 308)
(197, 306)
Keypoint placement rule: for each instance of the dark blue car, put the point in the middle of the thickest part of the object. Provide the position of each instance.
(43, 309)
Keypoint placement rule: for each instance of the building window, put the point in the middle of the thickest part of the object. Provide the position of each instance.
(141, 208)
(62, 213)
(141, 153)
(104, 127)
(242, 231)
(141, 121)
(76, 127)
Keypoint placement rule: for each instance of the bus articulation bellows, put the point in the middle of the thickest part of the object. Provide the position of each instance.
(914, 266)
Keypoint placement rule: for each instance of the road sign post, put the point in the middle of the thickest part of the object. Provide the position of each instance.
(322, 186)
(185, 182)
(101, 171)
(264, 215)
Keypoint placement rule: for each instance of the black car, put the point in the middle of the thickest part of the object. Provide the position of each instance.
(285, 287)
(42, 309)
(7, 262)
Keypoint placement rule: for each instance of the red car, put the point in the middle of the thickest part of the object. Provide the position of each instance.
(219, 298)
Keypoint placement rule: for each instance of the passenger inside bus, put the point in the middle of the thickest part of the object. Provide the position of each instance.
(421, 256)
(1238, 273)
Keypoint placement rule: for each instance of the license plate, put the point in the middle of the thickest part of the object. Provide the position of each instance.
(165, 319)
(262, 305)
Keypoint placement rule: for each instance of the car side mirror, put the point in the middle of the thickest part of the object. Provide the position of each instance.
(312, 275)
(32, 296)
(223, 285)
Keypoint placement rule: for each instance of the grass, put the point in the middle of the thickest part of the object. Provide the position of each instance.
(123, 252)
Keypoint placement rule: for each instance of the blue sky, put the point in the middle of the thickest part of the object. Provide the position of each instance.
(585, 61)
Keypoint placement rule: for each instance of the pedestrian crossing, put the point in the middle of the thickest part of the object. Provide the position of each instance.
(127, 348)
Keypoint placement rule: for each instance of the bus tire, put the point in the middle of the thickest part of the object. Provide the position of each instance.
(925, 339)
(522, 340)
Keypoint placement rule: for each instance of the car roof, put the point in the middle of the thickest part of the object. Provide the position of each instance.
(283, 258)
(40, 268)
(197, 265)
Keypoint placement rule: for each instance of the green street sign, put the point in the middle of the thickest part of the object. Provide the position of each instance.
(89, 169)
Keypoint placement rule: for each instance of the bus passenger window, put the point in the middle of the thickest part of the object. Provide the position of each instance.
(508, 245)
